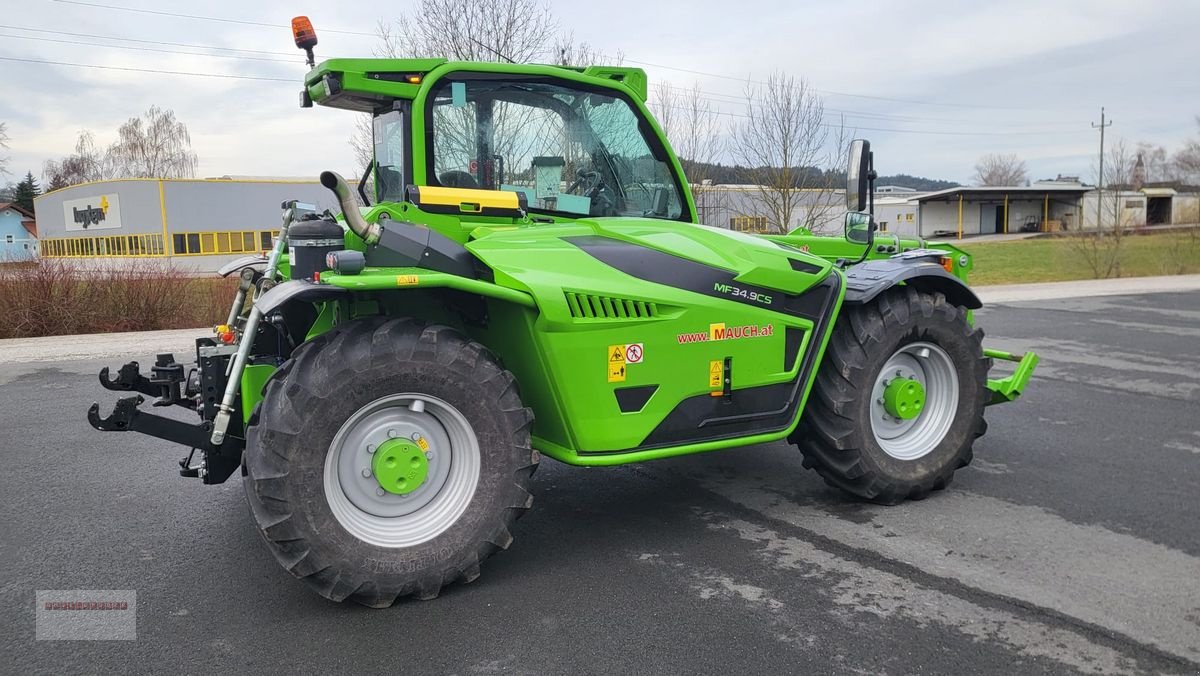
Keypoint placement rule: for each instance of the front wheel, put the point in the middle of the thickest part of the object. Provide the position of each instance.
(388, 459)
(898, 401)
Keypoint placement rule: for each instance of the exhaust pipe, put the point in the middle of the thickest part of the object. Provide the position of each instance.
(370, 232)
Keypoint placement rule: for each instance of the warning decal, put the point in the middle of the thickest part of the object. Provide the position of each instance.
(616, 372)
(716, 373)
(633, 353)
(616, 354)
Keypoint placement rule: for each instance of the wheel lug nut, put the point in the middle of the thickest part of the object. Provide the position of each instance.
(379, 492)
(366, 474)
(392, 434)
(370, 448)
(429, 455)
(416, 436)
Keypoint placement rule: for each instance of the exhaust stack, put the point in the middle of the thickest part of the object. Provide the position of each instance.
(370, 232)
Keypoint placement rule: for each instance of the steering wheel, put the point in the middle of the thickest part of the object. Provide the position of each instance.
(592, 179)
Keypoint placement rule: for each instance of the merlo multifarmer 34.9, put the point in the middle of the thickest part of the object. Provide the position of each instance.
(521, 273)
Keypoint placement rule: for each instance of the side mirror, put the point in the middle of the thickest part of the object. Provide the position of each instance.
(858, 227)
(858, 175)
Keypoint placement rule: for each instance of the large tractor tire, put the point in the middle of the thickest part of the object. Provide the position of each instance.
(899, 398)
(388, 459)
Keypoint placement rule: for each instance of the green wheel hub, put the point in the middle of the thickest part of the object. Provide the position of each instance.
(400, 466)
(904, 398)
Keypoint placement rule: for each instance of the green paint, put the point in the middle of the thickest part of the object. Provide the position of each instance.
(254, 379)
(904, 398)
(531, 299)
(1008, 389)
(399, 466)
(326, 318)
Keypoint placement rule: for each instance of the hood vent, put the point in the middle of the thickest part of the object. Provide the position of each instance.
(587, 306)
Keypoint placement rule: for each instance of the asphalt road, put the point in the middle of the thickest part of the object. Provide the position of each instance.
(1072, 544)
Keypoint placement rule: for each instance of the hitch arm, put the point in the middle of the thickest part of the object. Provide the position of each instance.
(220, 461)
(129, 379)
(126, 417)
(1008, 389)
(165, 383)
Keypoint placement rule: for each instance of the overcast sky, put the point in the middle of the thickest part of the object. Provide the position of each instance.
(934, 84)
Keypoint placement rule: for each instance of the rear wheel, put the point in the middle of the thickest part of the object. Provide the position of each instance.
(388, 459)
(899, 398)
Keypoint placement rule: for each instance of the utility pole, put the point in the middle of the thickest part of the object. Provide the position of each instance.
(1100, 180)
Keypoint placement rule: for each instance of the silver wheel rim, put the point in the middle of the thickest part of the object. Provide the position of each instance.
(914, 438)
(385, 519)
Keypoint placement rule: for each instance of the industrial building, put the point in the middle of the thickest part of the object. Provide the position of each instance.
(201, 223)
(1049, 206)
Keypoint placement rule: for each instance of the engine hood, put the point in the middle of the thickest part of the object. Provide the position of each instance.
(753, 260)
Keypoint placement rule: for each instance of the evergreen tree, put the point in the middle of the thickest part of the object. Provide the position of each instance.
(57, 182)
(26, 190)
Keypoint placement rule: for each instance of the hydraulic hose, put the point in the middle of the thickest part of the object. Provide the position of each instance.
(369, 232)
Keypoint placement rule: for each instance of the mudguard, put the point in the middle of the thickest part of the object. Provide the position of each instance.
(867, 280)
(296, 289)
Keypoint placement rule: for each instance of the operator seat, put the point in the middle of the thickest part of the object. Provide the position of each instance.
(458, 179)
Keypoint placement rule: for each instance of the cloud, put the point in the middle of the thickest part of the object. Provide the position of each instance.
(1020, 67)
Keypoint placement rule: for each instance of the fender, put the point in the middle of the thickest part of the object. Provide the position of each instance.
(296, 289)
(867, 280)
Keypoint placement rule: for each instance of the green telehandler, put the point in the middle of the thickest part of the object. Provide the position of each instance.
(526, 276)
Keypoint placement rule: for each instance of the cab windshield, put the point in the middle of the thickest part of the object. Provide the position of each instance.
(572, 150)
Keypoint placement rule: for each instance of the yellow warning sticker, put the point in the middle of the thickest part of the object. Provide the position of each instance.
(616, 354)
(616, 372)
(423, 443)
(716, 373)
(407, 280)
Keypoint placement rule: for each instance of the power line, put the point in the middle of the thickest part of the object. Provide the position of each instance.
(746, 80)
(930, 132)
(644, 63)
(737, 115)
(146, 42)
(152, 49)
(149, 70)
(744, 101)
(201, 18)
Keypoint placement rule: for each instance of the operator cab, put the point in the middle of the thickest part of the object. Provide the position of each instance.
(570, 150)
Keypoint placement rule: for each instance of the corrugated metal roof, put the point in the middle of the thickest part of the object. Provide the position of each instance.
(991, 191)
(1159, 192)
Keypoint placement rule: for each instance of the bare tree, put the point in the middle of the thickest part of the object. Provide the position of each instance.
(1158, 164)
(569, 52)
(996, 169)
(517, 31)
(663, 102)
(1101, 248)
(692, 124)
(153, 146)
(3, 146)
(697, 138)
(1187, 159)
(86, 164)
(781, 140)
(362, 142)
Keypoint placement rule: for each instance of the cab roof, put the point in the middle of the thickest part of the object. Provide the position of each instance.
(365, 84)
